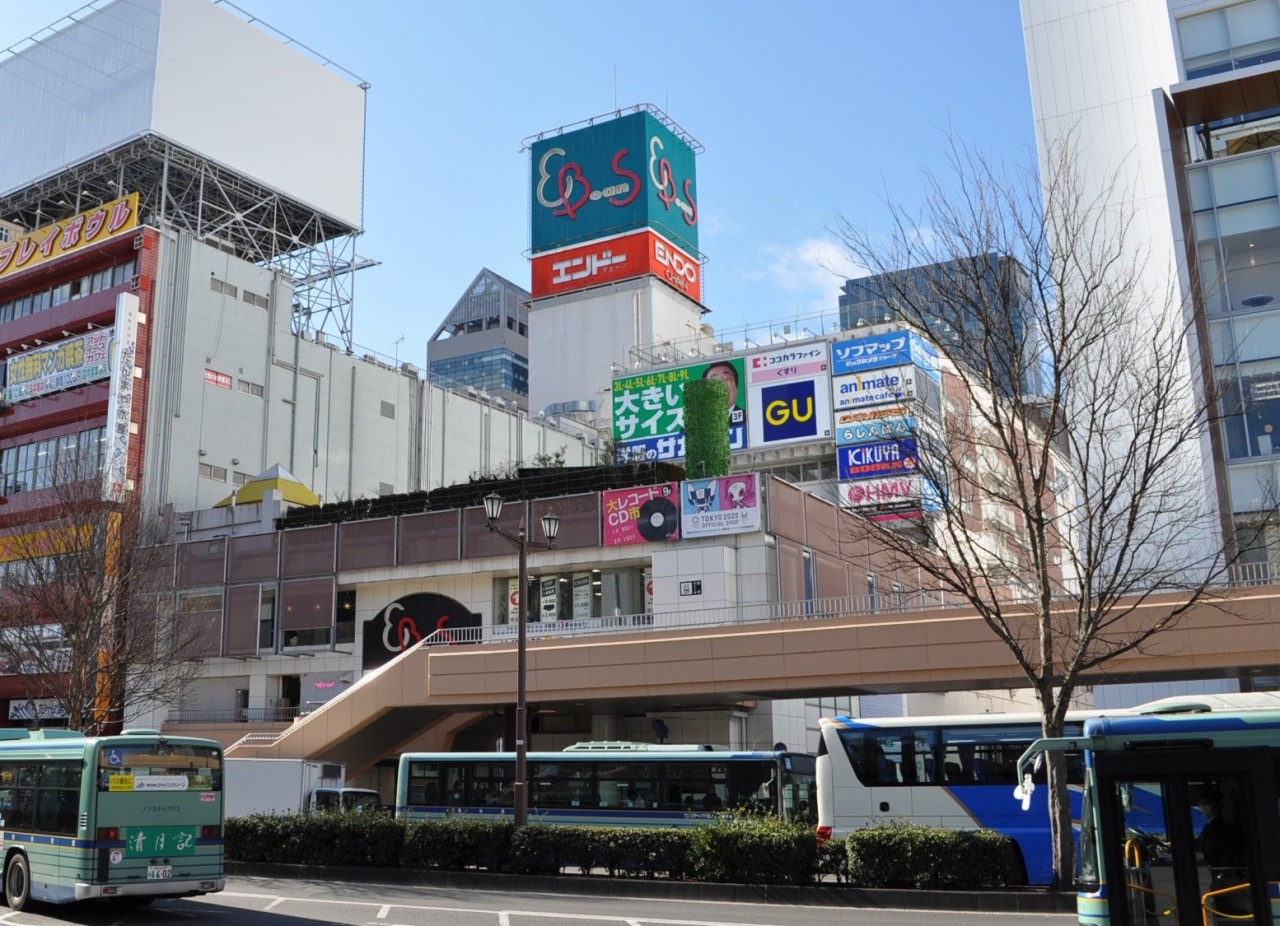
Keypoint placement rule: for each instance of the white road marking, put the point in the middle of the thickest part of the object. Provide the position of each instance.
(275, 903)
(958, 915)
(382, 913)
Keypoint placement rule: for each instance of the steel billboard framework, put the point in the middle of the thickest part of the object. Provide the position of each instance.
(181, 189)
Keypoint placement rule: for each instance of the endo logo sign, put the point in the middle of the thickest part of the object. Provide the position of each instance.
(622, 175)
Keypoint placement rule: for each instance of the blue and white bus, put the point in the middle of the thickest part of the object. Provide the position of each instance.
(1154, 781)
(129, 818)
(957, 771)
(613, 784)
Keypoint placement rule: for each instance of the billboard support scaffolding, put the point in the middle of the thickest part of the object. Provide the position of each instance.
(181, 189)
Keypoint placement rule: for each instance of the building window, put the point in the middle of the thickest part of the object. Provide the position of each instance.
(218, 286)
(216, 473)
(388, 410)
(344, 619)
(241, 479)
(255, 300)
(249, 388)
(98, 281)
(1237, 36)
(267, 619)
(57, 460)
(385, 489)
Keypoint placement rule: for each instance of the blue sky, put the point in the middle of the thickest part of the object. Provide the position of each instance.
(806, 114)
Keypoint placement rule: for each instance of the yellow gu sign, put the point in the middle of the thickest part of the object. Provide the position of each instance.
(79, 231)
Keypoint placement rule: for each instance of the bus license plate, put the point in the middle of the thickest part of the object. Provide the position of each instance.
(159, 872)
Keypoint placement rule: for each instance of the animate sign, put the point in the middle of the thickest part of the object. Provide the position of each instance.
(883, 458)
(648, 409)
(620, 257)
(790, 395)
(891, 386)
(52, 241)
(878, 351)
(55, 367)
(625, 174)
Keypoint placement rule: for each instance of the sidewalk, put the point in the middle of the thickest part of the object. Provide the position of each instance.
(821, 895)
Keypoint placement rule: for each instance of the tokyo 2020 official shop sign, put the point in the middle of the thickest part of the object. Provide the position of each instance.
(648, 409)
(625, 174)
(724, 505)
(790, 395)
(645, 514)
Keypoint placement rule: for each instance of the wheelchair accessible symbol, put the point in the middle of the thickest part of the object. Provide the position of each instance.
(115, 757)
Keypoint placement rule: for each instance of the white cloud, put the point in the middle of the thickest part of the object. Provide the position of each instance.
(813, 270)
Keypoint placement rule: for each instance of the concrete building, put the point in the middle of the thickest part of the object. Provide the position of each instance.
(1176, 99)
(171, 317)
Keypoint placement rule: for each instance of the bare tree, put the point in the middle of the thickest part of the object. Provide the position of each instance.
(1069, 465)
(86, 608)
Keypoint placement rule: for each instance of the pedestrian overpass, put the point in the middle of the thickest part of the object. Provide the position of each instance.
(796, 649)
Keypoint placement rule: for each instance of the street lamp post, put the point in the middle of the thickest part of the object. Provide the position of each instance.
(550, 528)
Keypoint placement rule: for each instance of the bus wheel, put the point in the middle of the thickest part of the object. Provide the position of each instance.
(17, 882)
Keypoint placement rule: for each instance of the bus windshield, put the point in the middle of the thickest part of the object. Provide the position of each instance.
(159, 767)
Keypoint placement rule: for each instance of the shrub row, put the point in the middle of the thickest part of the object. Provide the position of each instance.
(742, 850)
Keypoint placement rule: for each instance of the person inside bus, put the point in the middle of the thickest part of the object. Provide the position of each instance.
(1218, 841)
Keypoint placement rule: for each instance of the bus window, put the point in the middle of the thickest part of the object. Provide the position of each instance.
(630, 784)
(455, 790)
(985, 755)
(493, 784)
(562, 784)
(697, 785)
(424, 783)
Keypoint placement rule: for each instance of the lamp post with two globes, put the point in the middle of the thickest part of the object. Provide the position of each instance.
(550, 528)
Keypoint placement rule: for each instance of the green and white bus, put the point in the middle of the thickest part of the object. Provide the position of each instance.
(1180, 822)
(129, 818)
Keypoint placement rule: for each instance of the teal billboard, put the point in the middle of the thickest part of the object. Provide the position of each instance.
(612, 177)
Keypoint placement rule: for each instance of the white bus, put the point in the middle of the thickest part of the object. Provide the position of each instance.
(956, 772)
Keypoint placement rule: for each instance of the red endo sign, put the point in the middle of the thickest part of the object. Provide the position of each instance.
(621, 257)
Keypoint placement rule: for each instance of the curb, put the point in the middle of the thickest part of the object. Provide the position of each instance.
(820, 895)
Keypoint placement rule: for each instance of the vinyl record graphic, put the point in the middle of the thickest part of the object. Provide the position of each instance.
(657, 519)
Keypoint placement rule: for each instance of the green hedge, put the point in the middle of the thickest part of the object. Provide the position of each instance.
(755, 850)
(904, 855)
(734, 849)
(370, 840)
(457, 842)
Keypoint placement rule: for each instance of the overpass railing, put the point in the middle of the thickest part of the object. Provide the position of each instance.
(1241, 575)
(765, 612)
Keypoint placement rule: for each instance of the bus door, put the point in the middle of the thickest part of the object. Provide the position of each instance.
(1190, 837)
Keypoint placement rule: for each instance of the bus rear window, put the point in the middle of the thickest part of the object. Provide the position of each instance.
(159, 767)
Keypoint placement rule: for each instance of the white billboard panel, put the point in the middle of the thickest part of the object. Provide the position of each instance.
(198, 75)
(789, 395)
